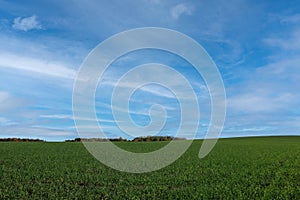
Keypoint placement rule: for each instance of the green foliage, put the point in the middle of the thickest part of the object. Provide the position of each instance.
(242, 168)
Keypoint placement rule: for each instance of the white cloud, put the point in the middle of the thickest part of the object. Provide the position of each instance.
(272, 88)
(6, 122)
(35, 132)
(291, 42)
(155, 88)
(268, 92)
(26, 23)
(57, 116)
(71, 117)
(245, 128)
(35, 65)
(254, 102)
(285, 69)
(8, 102)
(4, 96)
(291, 19)
(153, 1)
(181, 9)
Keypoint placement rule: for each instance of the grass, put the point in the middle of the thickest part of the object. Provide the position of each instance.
(237, 168)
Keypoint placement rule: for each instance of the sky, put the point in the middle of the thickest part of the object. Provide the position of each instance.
(254, 44)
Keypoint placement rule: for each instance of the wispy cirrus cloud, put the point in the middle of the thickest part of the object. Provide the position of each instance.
(57, 116)
(287, 38)
(35, 65)
(153, 1)
(71, 117)
(290, 42)
(6, 122)
(181, 9)
(26, 23)
(45, 133)
(9, 102)
(255, 102)
(290, 18)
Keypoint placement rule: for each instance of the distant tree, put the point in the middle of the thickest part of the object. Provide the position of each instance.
(155, 138)
(20, 140)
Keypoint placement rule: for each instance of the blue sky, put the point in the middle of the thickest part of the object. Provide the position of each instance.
(255, 44)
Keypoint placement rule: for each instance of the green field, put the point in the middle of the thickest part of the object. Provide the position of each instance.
(240, 168)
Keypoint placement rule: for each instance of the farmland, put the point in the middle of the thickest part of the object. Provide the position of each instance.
(237, 168)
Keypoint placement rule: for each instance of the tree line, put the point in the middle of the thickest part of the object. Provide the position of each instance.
(20, 140)
(120, 139)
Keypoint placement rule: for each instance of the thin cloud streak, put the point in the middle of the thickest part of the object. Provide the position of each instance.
(43, 67)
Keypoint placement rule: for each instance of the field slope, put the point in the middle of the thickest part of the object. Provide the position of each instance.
(237, 168)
